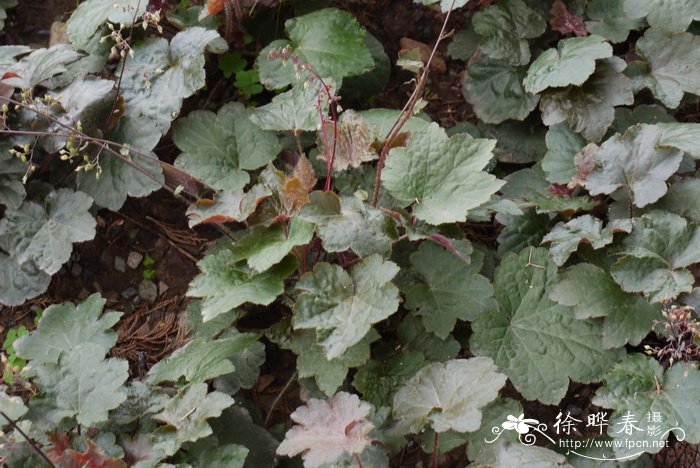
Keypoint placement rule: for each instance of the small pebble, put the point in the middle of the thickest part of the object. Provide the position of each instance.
(105, 258)
(148, 290)
(162, 287)
(76, 270)
(129, 292)
(119, 264)
(96, 286)
(134, 260)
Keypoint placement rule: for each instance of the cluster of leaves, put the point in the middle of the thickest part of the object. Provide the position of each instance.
(379, 298)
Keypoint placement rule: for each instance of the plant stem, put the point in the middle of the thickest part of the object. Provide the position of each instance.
(278, 398)
(357, 460)
(434, 457)
(407, 110)
(29, 439)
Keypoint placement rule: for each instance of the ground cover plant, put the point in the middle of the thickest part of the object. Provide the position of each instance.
(381, 286)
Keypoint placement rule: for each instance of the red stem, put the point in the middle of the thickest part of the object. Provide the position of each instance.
(407, 111)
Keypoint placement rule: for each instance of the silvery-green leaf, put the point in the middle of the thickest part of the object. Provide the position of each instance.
(91, 14)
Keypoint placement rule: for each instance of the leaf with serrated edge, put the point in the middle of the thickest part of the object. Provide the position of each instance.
(64, 326)
(516, 454)
(19, 283)
(539, 344)
(342, 307)
(495, 91)
(200, 360)
(228, 206)
(226, 283)
(91, 14)
(562, 145)
(186, 414)
(332, 41)
(448, 396)
(83, 385)
(493, 415)
(505, 28)
(628, 317)
(656, 256)
(326, 429)
(45, 234)
(670, 15)
(378, 381)
(638, 385)
(590, 109)
(329, 374)
(445, 289)
(443, 176)
(263, 247)
(673, 60)
(566, 237)
(635, 161)
(219, 148)
(348, 223)
(571, 63)
(290, 111)
(608, 19)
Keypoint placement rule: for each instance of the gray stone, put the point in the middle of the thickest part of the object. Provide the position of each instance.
(162, 287)
(129, 292)
(134, 260)
(148, 290)
(119, 264)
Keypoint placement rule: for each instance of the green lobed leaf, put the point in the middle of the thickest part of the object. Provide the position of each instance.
(331, 41)
(291, 111)
(263, 247)
(682, 136)
(378, 381)
(414, 337)
(186, 414)
(448, 396)
(670, 15)
(681, 199)
(37, 67)
(345, 223)
(517, 142)
(63, 327)
(495, 91)
(562, 146)
(329, 374)
(512, 454)
(247, 362)
(493, 415)
(608, 19)
(446, 288)
(443, 176)
(571, 63)
(590, 108)
(628, 317)
(12, 170)
(656, 256)
(157, 79)
(671, 65)
(342, 307)
(91, 14)
(539, 344)
(521, 231)
(566, 237)
(638, 386)
(83, 385)
(200, 360)
(19, 283)
(225, 283)
(45, 234)
(219, 148)
(505, 28)
(635, 161)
